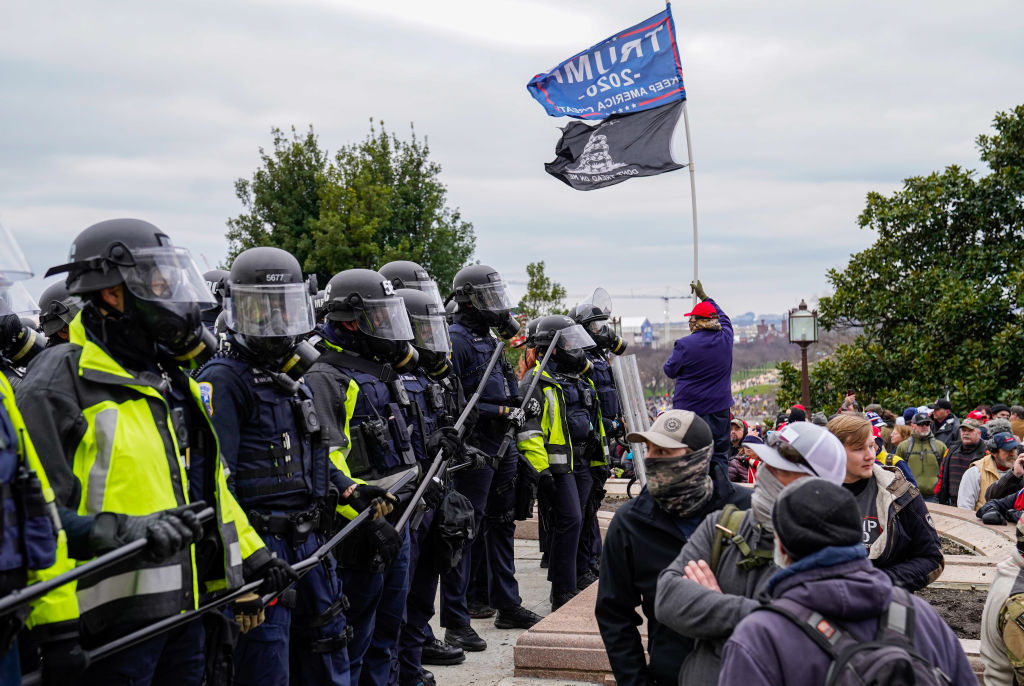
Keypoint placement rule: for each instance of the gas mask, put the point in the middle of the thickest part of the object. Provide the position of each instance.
(605, 337)
(507, 326)
(434, 364)
(399, 354)
(175, 326)
(571, 361)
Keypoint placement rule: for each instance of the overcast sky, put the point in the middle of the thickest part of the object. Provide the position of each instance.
(797, 110)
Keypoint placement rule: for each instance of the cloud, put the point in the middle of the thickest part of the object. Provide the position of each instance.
(797, 111)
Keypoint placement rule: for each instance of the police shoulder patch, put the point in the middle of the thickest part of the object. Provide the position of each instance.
(206, 395)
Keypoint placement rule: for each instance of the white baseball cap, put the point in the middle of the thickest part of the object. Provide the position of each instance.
(809, 449)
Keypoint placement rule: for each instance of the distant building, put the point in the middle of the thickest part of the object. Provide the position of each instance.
(638, 331)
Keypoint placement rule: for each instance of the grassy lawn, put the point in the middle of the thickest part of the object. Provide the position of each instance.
(760, 389)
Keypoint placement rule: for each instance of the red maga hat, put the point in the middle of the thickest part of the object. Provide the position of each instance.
(704, 309)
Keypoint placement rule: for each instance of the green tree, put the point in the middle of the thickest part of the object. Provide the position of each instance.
(282, 200)
(789, 385)
(940, 292)
(543, 296)
(373, 202)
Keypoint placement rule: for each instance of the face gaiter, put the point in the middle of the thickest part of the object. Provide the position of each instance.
(680, 485)
(766, 490)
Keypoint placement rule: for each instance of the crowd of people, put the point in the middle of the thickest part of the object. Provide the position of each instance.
(791, 556)
(280, 478)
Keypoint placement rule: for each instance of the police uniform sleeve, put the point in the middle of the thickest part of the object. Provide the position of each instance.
(57, 611)
(55, 422)
(330, 397)
(530, 439)
(226, 400)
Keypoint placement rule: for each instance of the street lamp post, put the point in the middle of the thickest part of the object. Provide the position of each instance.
(803, 330)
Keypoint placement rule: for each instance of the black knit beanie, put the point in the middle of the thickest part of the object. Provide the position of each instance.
(812, 514)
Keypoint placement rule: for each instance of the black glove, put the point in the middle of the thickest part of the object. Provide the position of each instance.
(433, 494)
(10, 329)
(546, 485)
(63, 662)
(167, 532)
(515, 416)
(446, 439)
(993, 517)
(376, 498)
(479, 459)
(277, 576)
(532, 408)
(380, 544)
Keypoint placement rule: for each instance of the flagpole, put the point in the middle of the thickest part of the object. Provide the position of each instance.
(693, 193)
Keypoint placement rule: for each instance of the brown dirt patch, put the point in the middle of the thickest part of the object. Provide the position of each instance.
(960, 609)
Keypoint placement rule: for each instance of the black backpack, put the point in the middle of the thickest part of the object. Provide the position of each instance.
(889, 660)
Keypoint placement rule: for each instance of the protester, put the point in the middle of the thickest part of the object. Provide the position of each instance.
(959, 457)
(701, 364)
(1017, 421)
(1002, 620)
(900, 433)
(823, 571)
(1010, 482)
(888, 461)
(743, 467)
(737, 430)
(703, 594)
(1000, 411)
(897, 530)
(944, 423)
(985, 472)
(923, 454)
(645, 535)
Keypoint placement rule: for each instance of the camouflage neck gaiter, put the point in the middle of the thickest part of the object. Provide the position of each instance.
(680, 485)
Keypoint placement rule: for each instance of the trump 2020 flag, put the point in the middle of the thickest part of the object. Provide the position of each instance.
(621, 147)
(636, 69)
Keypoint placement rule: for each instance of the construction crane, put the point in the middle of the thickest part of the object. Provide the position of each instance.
(664, 298)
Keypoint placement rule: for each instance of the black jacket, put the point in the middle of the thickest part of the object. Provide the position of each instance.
(951, 470)
(641, 541)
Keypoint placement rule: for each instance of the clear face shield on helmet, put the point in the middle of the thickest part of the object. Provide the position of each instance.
(599, 300)
(13, 265)
(15, 299)
(269, 310)
(490, 297)
(575, 337)
(165, 274)
(385, 318)
(431, 332)
(428, 287)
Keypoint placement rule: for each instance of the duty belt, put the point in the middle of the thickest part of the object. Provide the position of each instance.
(294, 527)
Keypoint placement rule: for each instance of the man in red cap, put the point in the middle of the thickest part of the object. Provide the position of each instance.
(701, 364)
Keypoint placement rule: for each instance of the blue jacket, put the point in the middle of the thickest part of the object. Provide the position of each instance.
(769, 649)
(701, 364)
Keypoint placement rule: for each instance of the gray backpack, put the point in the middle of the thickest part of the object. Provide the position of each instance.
(889, 660)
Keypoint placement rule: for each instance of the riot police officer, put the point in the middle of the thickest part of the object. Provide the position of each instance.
(117, 422)
(408, 274)
(433, 393)
(362, 404)
(593, 315)
(483, 304)
(19, 340)
(557, 443)
(280, 474)
(57, 308)
(34, 546)
(215, 281)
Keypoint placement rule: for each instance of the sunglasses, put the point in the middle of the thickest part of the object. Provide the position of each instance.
(788, 452)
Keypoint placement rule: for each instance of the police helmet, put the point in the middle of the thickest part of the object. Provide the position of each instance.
(482, 287)
(593, 314)
(368, 298)
(407, 274)
(137, 254)
(572, 337)
(428, 318)
(215, 280)
(266, 296)
(57, 308)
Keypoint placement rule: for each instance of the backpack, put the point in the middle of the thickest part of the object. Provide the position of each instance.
(726, 530)
(889, 660)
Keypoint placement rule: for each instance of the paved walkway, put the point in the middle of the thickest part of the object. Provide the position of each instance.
(495, 665)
